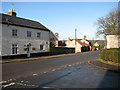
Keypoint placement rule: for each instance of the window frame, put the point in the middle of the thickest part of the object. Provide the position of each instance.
(14, 32)
(29, 33)
(42, 47)
(38, 34)
(14, 49)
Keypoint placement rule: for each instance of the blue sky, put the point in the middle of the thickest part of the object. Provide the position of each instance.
(64, 17)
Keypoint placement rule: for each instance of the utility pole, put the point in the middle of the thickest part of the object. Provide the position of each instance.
(75, 40)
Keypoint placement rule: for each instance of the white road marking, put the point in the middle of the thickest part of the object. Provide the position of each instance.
(53, 69)
(27, 81)
(3, 82)
(9, 80)
(24, 84)
(8, 85)
(69, 65)
(21, 81)
(45, 87)
(35, 74)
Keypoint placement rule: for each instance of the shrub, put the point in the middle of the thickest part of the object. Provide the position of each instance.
(96, 46)
(111, 55)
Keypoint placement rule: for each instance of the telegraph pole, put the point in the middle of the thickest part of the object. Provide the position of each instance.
(75, 40)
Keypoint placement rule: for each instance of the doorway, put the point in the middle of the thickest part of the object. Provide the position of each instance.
(28, 50)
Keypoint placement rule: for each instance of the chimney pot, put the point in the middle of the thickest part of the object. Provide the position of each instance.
(84, 37)
(12, 12)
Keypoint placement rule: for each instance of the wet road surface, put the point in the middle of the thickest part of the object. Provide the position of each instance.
(61, 72)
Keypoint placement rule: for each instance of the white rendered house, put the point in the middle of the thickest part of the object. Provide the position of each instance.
(21, 36)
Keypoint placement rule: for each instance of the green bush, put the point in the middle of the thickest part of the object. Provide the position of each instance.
(96, 46)
(111, 55)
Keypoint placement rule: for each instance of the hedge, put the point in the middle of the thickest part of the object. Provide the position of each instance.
(111, 55)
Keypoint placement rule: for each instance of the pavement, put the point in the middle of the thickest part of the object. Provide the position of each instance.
(101, 65)
(37, 58)
(33, 58)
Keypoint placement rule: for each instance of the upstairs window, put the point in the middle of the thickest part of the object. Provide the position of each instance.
(14, 32)
(38, 35)
(28, 33)
(14, 48)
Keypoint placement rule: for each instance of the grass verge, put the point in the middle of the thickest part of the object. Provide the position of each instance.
(108, 62)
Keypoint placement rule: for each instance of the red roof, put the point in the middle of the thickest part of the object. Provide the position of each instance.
(83, 44)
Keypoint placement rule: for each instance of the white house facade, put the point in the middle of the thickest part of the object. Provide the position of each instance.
(113, 41)
(22, 36)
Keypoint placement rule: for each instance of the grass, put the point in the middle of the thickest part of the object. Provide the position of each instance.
(108, 62)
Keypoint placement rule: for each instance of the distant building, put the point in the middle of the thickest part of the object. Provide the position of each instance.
(81, 45)
(61, 43)
(96, 45)
(22, 36)
(53, 40)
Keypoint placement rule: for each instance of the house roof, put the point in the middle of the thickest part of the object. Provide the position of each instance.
(12, 20)
(53, 35)
(83, 44)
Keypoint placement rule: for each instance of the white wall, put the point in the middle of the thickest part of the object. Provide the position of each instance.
(84, 41)
(77, 46)
(113, 41)
(21, 40)
(0, 39)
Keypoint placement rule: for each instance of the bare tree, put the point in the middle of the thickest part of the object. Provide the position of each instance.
(108, 24)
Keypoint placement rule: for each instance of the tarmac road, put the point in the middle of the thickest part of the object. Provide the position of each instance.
(61, 72)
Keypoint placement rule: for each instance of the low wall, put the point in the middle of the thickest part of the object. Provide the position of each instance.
(53, 51)
(61, 50)
(20, 56)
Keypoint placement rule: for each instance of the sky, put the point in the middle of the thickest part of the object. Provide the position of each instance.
(64, 17)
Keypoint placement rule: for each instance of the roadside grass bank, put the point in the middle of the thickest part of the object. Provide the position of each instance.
(108, 62)
(104, 65)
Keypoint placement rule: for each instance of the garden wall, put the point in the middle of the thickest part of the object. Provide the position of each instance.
(61, 50)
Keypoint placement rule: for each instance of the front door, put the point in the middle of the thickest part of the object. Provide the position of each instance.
(28, 50)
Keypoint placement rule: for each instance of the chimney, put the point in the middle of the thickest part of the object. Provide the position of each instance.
(84, 37)
(68, 38)
(12, 12)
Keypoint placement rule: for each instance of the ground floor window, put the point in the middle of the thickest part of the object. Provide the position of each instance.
(41, 47)
(14, 48)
